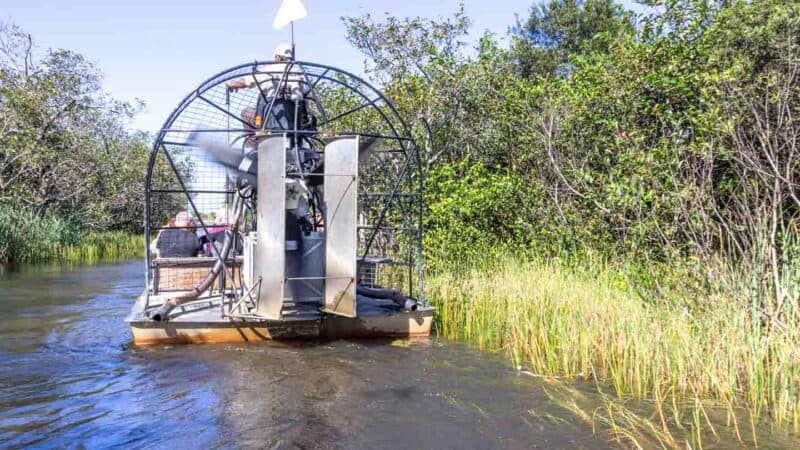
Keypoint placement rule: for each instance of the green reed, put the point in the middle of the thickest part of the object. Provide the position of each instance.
(106, 245)
(705, 358)
(26, 238)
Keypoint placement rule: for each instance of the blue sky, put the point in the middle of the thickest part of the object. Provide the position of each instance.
(159, 50)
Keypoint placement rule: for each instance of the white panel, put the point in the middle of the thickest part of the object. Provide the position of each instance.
(341, 197)
(271, 207)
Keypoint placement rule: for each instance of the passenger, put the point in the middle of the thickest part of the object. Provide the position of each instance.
(178, 242)
(154, 242)
(217, 232)
(249, 117)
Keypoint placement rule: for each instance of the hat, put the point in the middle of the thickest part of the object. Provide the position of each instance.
(283, 49)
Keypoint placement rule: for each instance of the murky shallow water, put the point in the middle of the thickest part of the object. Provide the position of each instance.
(69, 377)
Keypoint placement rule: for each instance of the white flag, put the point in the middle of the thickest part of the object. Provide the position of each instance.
(289, 11)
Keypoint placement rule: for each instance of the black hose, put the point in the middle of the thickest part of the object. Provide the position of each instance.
(401, 300)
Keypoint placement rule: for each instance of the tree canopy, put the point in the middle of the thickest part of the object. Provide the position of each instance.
(65, 145)
(669, 134)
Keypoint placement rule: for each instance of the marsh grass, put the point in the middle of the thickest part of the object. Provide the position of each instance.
(107, 245)
(704, 363)
(91, 247)
(26, 238)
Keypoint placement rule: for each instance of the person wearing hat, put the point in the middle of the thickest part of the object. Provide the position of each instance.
(283, 81)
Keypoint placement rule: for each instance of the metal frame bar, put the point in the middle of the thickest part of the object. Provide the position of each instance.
(190, 191)
(351, 111)
(225, 111)
(305, 132)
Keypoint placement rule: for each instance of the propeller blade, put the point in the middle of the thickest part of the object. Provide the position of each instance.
(231, 159)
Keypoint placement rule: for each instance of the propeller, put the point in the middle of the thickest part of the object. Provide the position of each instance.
(245, 165)
(242, 165)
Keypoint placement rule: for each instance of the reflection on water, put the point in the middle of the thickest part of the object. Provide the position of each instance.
(68, 375)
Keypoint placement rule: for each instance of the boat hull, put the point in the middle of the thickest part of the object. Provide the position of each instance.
(203, 323)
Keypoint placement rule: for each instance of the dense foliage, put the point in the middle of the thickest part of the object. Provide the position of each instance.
(68, 163)
(661, 136)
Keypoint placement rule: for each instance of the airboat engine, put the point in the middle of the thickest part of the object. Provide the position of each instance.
(321, 209)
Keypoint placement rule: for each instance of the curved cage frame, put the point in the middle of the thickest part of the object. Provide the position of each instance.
(390, 178)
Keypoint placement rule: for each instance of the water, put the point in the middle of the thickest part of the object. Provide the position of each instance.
(69, 377)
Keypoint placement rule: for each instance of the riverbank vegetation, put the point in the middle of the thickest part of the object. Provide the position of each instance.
(26, 238)
(71, 172)
(706, 361)
(613, 196)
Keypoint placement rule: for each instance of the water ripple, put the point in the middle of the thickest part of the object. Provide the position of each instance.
(69, 377)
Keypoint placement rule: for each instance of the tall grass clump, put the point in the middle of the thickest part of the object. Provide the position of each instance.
(28, 238)
(104, 245)
(715, 359)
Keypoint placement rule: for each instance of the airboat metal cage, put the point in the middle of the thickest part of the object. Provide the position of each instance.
(183, 177)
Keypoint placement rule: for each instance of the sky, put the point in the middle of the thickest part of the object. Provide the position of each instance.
(158, 51)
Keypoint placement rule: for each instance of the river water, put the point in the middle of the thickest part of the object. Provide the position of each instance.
(69, 377)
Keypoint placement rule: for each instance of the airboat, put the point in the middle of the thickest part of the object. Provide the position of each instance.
(303, 190)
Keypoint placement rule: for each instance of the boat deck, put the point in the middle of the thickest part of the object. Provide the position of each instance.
(201, 321)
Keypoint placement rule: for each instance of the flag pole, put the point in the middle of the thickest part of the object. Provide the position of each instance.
(294, 56)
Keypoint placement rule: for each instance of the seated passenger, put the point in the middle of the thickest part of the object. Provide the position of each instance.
(179, 242)
(216, 233)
